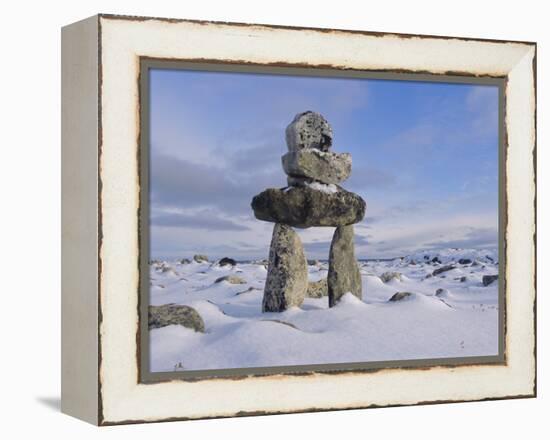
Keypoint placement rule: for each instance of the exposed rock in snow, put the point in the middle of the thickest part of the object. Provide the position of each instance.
(199, 258)
(231, 279)
(166, 269)
(443, 269)
(488, 279)
(226, 261)
(250, 289)
(173, 314)
(388, 276)
(400, 296)
(317, 289)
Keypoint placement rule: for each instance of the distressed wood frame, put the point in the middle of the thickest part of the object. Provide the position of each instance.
(101, 203)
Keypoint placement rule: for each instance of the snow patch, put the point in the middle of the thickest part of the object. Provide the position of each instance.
(329, 188)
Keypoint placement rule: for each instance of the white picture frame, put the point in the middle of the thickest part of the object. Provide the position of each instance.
(101, 204)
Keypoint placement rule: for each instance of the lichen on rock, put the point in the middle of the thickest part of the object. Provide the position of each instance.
(303, 207)
(343, 272)
(317, 165)
(317, 289)
(174, 314)
(309, 130)
(286, 282)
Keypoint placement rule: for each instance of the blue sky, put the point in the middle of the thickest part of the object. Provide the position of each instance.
(425, 159)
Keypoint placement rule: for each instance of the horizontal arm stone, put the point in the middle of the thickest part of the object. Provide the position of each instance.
(303, 207)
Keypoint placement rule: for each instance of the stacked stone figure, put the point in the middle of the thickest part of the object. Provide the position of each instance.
(312, 198)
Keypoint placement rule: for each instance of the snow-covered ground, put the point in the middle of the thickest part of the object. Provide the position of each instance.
(460, 321)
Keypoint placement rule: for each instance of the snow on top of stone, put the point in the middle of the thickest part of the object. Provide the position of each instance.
(326, 188)
(329, 154)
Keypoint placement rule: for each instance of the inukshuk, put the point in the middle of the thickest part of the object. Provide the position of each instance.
(312, 198)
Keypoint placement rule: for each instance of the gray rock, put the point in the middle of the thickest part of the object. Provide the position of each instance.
(325, 167)
(173, 314)
(166, 269)
(305, 207)
(231, 279)
(199, 258)
(442, 292)
(226, 261)
(185, 261)
(343, 272)
(388, 276)
(488, 279)
(443, 269)
(464, 261)
(317, 289)
(463, 279)
(250, 289)
(309, 130)
(286, 283)
(400, 296)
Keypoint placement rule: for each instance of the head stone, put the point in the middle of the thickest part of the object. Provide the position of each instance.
(309, 130)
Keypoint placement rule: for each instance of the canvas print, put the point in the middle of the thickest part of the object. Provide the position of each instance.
(307, 221)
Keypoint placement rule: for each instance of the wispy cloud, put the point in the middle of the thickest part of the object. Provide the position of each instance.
(482, 102)
(475, 238)
(183, 184)
(205, 219)
(365, 178)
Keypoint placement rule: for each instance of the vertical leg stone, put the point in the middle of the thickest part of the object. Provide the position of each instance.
(287, 280)
(343, 271)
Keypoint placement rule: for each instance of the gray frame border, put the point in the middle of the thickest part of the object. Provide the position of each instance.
(142, 337)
